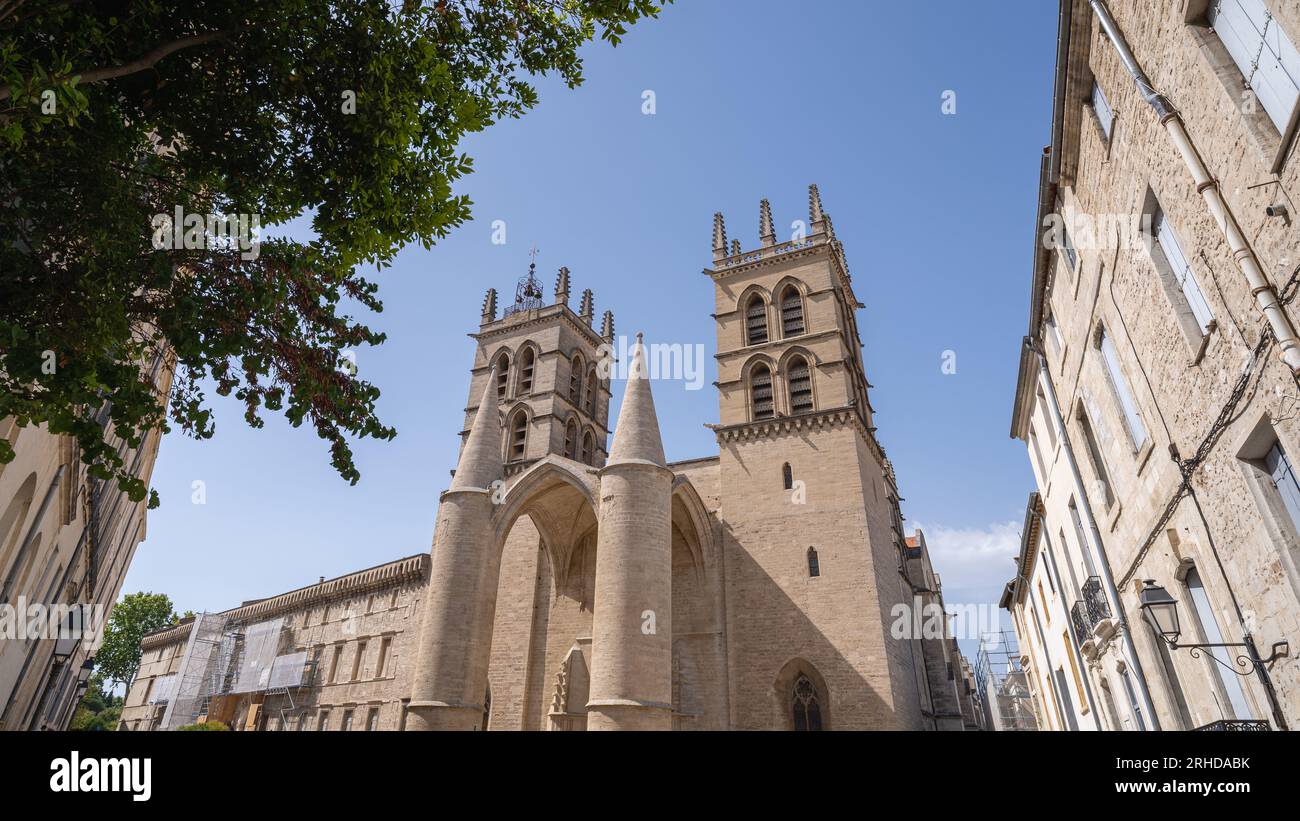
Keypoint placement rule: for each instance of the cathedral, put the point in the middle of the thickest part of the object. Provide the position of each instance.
(579, 581)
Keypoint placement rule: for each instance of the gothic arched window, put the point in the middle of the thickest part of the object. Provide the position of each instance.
(518, 435)
(787, 477)
(503, 374)
(814, 566)
(591, 393)
(588, 449)
(760, 388)
(799, 380)
(755, 321)
(806, 705)
(791, 312)
(571, 440)
(575, 381)
(527, 359)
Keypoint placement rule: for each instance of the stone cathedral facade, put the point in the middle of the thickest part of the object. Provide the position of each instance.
(580, 581)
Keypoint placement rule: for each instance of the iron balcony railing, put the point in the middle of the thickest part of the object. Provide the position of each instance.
(1079, 615)
(1095, 600)
(1237, 726)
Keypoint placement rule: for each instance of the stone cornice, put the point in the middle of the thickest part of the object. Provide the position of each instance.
(535, 317)
(813, 245)
(411, 568)
(843, 416)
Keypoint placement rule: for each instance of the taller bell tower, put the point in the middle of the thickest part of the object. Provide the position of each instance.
(544, 359)
(809, 496)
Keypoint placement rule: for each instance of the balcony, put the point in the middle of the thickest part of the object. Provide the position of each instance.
(1095, 601)
(1079, 617)
(1237, 726)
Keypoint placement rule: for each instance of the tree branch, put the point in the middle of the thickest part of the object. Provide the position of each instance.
(98, 75)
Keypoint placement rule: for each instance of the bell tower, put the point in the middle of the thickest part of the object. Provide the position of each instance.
(810, 498)
(544, 362)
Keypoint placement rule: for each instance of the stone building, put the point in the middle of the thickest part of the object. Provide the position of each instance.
(66, 540)
(1157, 394)
(573, 586)
(345, 643)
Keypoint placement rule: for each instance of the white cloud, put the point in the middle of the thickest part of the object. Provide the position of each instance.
(974, 564)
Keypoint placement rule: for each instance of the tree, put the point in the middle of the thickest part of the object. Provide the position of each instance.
(99, 708)
(118, 659)
(130, 131)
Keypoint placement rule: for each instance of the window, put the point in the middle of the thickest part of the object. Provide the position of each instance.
(1054, 332)
(334, 663)
(571, 440)
(791, 312)
(372, 719)
(323, 721)
(1074, 670)
(575, 381)
(1181, 282)
(1268, 60)
(518, 435)
(1038, 453)
(806, 705)
(503, 374)
(755, 321)
(591, 392)
(401, 717)
(1042, 597)
(814, 566)
(1100, 106)
(588, 449)
(1048, 422)
(1237, 706)
(1082, 538)
(1137, 431)
(787, 477)
(347, 720)
(381, 666)
(358, 660)
(527, 361)
(1067, 246)
(1067, 702)
(800, 381)
(1095, 457)
(760, 387)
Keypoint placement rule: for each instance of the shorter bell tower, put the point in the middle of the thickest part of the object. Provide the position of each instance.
(550, 391)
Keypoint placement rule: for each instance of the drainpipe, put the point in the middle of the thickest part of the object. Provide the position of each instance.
(1208, 187)
(1103, 566)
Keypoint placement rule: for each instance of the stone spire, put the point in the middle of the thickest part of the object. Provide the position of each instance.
(636, 438)
(607, 327)
(735, 247)
(719, 237)
(562, 287)
(489, 307)
(766, 230)
(587, 308)
(814, 209)
(480, 460)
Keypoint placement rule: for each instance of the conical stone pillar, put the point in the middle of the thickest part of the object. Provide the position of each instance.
(450, 677)
(631, 665)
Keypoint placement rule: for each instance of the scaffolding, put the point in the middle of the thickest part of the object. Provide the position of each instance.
(225, 660)
(1001, 688)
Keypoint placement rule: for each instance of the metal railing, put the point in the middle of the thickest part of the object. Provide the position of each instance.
(1237, 726)
(1079, 616)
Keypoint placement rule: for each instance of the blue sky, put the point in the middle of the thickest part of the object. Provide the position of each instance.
(753, 99)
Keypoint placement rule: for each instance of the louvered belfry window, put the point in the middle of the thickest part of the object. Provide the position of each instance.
(760, 386)
(571, 440)
(791, 313)
(801, 398)
(755, 322)
(518, 435)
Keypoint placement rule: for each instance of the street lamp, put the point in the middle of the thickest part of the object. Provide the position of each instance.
(83, 675)
(65, 644)
(1160, 611)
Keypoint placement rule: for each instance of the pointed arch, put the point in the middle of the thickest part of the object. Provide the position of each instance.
(588, 448)
(762, 401)
(517, 434)
(502, 363)
(754, 315)
(814, 564)
(799, 384)
(688, 507)
(801, 698)
(559, 499)
(576, 367)
(526, 369)
(593, 386)
(791, 306)
(571, 439)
